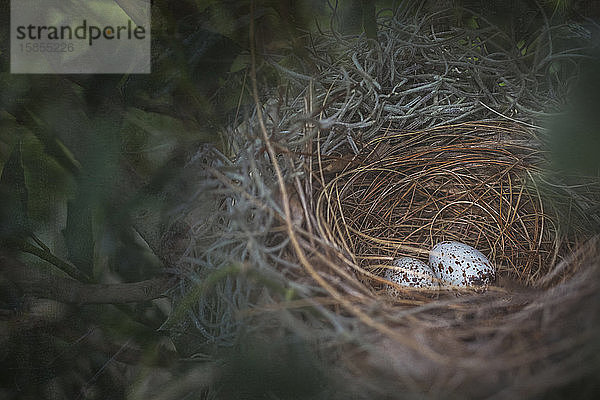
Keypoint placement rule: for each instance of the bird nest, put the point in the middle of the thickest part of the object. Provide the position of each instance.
(479, 183)
(473, 183)
(389, 147)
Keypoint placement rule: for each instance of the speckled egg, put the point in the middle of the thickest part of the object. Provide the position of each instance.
(459, 264)
(408, 271)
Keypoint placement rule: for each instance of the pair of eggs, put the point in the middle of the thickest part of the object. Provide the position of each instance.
(451, 263)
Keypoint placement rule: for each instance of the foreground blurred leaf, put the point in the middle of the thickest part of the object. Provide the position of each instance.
(48, 183)
(284, 368)
(13, 206)
(79, 236)
(575, 135)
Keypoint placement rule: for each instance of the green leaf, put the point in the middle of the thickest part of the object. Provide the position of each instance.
(351, 17)
(472, 22)
(53, 146)
(240, 63)
(522, 46)
(13, 177)
(79, 236)
(49, 185)
(14, 222)
(369, 19)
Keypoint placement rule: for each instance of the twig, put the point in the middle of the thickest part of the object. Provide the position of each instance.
(43, 284)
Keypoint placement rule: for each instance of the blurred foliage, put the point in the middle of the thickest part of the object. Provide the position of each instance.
(89, 162)
(575, 135)
(13, 209)
(262, 368)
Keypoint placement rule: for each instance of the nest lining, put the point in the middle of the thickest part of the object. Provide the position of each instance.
(472, 182)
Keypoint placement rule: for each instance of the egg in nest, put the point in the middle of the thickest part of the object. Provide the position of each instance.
(459, 264)
(410, 272)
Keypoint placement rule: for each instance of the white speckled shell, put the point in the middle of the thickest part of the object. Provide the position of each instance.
(410, 272)
(461, 265)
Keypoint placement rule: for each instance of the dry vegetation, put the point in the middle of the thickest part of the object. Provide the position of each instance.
(388, 148)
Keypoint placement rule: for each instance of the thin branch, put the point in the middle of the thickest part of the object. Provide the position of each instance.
(42, 284)
(46, 255)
